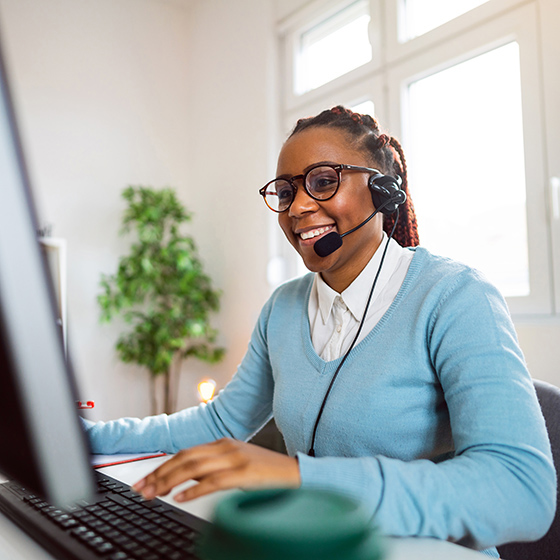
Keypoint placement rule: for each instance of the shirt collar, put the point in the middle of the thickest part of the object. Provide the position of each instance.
(356, 295)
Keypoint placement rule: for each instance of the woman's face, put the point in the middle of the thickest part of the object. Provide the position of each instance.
(349, 207)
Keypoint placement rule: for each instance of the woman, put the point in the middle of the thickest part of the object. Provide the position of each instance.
(394, 375)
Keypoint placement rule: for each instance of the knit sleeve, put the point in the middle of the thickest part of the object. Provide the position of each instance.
(500, 484)
(239, 410)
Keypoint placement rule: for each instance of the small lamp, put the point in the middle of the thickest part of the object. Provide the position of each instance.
(206, 389)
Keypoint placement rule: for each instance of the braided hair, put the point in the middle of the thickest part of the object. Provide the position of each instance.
(386, 153)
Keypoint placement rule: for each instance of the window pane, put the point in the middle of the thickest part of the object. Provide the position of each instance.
(364, 108)
(333, 47)
(422, 16)
(466, 166)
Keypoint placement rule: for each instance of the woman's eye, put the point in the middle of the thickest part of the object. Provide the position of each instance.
(324, 183)
(284, 193)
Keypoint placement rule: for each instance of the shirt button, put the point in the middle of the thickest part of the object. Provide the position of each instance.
(338, 328)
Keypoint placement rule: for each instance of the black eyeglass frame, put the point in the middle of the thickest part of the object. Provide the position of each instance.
(339, 167)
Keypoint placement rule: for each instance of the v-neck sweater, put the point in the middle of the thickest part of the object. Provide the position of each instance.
(433, 422)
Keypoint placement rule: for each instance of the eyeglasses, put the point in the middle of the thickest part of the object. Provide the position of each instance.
(320, 182)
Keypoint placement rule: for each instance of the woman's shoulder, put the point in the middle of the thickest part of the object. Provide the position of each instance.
(442, 276)
(438, 266)
(295, 287)
(294, 292)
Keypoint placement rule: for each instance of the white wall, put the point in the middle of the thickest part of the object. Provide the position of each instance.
(119, 92)
(232, 147)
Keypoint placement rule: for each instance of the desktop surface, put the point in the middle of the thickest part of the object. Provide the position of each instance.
(17, 545)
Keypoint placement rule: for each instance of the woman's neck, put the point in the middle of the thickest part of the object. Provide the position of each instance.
(340, 279)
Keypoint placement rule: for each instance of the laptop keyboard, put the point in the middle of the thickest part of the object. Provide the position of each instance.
(121, 525)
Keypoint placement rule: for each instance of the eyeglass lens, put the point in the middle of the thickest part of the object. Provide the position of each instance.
(320, 183)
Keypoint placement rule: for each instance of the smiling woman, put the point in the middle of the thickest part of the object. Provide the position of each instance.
(335, 136)
(394, 375)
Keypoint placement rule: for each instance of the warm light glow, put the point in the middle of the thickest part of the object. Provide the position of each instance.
(206, 389)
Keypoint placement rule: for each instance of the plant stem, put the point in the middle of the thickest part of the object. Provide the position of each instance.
(176, 378)
(167, 391)
(153, 394)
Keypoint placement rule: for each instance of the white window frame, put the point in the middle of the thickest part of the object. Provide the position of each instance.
(548, 26)
(305, 19)
(396, 64)
(398, 48)
(518, 25)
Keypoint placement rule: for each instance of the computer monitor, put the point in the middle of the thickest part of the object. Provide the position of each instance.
(42, 444)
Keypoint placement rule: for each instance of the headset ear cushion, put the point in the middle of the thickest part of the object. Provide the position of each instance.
(384, 188)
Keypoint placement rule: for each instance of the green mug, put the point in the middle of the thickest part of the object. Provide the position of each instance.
(290, 525)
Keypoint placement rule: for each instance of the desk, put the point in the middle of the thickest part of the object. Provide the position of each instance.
(16, 545)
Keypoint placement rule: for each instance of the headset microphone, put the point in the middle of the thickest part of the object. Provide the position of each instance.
(387, 197)
(333, 240)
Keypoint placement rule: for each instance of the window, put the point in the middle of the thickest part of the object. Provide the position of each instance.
(364, 107)
(465, 154)
(333, 47)
(460, 84)
(421, 16)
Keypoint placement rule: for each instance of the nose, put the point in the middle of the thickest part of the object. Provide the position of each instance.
(302, 203)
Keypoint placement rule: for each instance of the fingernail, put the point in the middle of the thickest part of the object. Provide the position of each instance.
(149, 492)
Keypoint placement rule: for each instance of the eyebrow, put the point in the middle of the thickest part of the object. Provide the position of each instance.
(306, 169)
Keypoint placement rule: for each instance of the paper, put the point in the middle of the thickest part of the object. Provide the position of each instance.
(99, 461)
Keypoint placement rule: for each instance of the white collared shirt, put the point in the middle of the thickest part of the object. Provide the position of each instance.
(334, 318)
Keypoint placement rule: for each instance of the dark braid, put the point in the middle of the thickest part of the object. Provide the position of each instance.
(386, 154)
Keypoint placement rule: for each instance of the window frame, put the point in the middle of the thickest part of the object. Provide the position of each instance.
(548, 27)
(293, 27)
(518, 25)
(397, 47)
(396, 64)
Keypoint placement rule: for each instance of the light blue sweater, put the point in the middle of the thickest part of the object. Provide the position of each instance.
(433, 421)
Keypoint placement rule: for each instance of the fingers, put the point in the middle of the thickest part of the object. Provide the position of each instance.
(194, 463)
(224, 480)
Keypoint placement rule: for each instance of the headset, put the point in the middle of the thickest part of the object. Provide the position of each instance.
(387, 196)
(386, 192)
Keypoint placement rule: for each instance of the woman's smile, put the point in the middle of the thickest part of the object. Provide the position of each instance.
(309, 236)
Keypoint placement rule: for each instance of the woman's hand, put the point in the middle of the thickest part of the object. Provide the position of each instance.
(221, 465)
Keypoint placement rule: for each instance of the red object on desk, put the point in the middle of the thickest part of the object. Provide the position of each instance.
(132, 459)
(86, 404)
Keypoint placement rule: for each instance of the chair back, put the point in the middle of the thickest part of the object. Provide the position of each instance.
(548, 547)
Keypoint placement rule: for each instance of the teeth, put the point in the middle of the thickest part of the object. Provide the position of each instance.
(314, 232)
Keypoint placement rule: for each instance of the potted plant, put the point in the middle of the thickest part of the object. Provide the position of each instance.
(161, 290)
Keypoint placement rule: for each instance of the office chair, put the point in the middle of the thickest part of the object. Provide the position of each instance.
(548, 547)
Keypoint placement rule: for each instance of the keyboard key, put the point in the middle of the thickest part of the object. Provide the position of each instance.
(120, 500)
(104, 548)
(119, 556)
(93, 509)
(130, 546)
